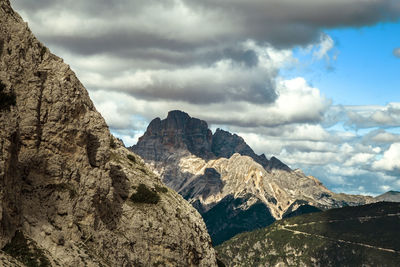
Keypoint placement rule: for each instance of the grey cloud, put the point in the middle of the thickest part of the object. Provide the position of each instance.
(204, 91)
(381, 137)
(386, 117)
(396, 52)
(119, 42)
(168, 36)
(282, 23)
(303, 15)
(219, 83)
(363, 117)
(248, 57)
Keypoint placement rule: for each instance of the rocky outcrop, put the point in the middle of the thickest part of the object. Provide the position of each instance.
(234, 189)
(70, 191)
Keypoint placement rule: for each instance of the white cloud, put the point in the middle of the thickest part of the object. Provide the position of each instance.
(335, 170)
(373, 116)
(382, 136)
(324, 47)
(390, 160)
(309, 158)
(359, 159)
(385, 187)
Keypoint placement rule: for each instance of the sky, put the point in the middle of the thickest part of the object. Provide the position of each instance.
(312, 82)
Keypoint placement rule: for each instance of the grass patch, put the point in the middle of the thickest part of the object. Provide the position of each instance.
(145, 195)
(26, 251)
(161, 189)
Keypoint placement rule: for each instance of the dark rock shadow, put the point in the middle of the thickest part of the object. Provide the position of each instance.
(109, 211)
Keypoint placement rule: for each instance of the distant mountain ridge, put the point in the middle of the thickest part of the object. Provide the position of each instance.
(365, 235)
(390, 196)
(233, 188)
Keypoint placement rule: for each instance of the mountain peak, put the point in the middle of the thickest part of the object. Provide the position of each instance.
(275, 163)
(181, 132)
(177, 114)
(178, 131)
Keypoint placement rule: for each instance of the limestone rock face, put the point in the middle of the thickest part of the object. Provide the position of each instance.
(225, 144)
(235, 189)
(177, 131)
(67, 185)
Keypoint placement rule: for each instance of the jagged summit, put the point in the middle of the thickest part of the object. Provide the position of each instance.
(179, 131)
(233, 188)
(70, 193)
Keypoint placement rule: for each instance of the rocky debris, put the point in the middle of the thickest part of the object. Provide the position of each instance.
(68, 186)
(233, 177)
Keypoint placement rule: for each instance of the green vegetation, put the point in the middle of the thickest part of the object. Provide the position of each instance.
(6, 99)
(26, 251)
(145, 195)
(161, 189)
(350, 236)
(240, 220)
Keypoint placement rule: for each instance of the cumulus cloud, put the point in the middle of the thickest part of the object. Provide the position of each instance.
(291, 94)
(390, 160)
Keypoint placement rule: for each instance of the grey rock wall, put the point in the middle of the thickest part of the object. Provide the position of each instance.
(67, 184)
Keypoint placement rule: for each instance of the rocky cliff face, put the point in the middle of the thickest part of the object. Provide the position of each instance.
(233, 188)
(70, 193)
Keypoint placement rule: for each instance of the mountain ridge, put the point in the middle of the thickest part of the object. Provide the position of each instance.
(350, 236)
(390, 196)
(229, 172)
